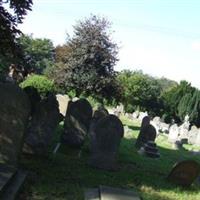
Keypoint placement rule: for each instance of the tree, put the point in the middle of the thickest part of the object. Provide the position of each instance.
(12, 13)
(173, 97)
(38, 53)
(140, 91)
(90, 61)
(9, 21)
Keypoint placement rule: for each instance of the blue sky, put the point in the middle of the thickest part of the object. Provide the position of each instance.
(160, 37)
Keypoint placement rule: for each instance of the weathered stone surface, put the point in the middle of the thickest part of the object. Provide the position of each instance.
(105, 142)
(150, 150)
(34, 97)
(42, 126)
(192, 136)
(173, 133)
(63, 103)
(98, 114)
(184, 173)
(14, 114)
(147, 133)
(77, 121)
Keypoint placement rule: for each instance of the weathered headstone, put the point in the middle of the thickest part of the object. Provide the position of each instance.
(34, 97)
(42, 126)
(173, 133)
(63, 103)
(105, 142)
(14, 114)
(98, 114)
(147, 133)
(184, 173)
(192, 136)
(77, 121)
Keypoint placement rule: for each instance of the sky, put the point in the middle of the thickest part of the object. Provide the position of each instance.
(159, 37)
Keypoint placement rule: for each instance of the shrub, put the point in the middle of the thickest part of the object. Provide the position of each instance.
(40, 82)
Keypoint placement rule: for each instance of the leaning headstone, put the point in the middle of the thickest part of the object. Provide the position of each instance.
(105, 142)
(140, 140)
(77, 121)
(14, 114)
(63, 103)
(42, 126)
(184, 173)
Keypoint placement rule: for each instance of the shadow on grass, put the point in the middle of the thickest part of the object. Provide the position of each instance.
(66, 174)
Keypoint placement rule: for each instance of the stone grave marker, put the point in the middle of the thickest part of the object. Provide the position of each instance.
(14, 114)
(77, 122)
(63, 103)
(42, 126)
(193, 135)
(15, 109)
(147, 133)
(105, 142)
(184, 173)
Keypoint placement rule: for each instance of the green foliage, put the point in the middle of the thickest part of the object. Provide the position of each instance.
(173, 98)
(86, 61)
(38, 53)
(41, 83)
(140, 91)
(12, 13)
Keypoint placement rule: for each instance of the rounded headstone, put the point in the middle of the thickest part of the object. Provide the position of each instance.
(184, 173)
(105, 142)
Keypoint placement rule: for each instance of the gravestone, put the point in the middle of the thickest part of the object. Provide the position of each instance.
(98, 114)
(147, 132)
(34, 97)
(42, 126)
(173, 133)
(184, 173)
(14, 114)
(63, 103)
(105, 142)
(192, 136)
(77, 121)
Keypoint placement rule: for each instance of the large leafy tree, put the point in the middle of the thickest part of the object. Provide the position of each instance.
(38, 53)
(89, 63)
(12, 13)
(140, 91)
(175, 101)
(9, 19)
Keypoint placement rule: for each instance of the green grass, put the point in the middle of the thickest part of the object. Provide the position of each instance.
(66, 175)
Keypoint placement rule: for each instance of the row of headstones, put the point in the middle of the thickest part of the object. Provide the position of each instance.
(27, 122)
(183, 173)
(185, 132)
(104, 131)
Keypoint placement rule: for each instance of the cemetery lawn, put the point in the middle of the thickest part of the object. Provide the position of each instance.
(66, 174)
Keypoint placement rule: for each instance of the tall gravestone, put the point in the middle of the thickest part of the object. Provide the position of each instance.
(97, 115)
(14, 114)
(42, 126)
(105, 142)
(145, 122)
(77, 122)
